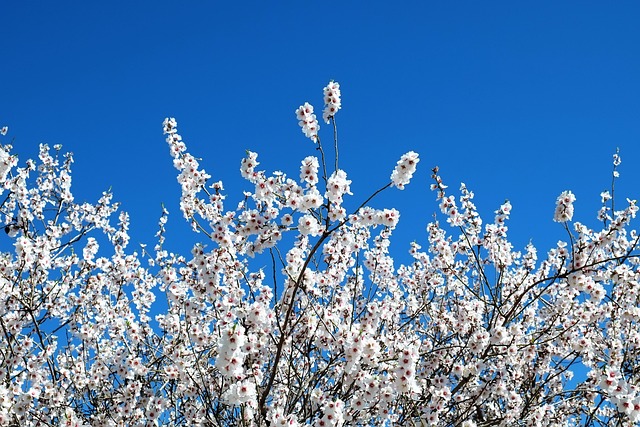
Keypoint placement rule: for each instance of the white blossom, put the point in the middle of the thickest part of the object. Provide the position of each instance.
(293, 307)
(307, 121)
(404, 170)
(332, 101)
(564, 207)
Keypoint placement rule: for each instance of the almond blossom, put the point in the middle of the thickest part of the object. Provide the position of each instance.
(295, 308)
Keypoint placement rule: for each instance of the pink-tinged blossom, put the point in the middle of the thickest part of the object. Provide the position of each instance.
(404, 170)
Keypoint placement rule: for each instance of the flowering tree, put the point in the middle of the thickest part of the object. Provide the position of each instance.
(333, 332)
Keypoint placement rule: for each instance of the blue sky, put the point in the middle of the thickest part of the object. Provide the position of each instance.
(519, 100)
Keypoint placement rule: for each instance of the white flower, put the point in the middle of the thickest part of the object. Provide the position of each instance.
(90, 249)
(248, 165)
(308, 225)
(7, 162)
(170, 125)
(337, 213)
(404, 170)
(286, 220)
(564, 207)
(332, 414)
(230, 353)
(332, 102)
(308, 121)
(337, 186)
(309, 170)
(240, 393)
(389, 217)
(312, 199)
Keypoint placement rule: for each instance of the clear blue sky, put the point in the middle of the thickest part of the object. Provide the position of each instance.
(519, 100)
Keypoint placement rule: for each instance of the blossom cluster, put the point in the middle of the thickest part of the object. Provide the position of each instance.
(564, 207)
(404, 170)
(294, 310)
(308, 121)
(332, 101)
